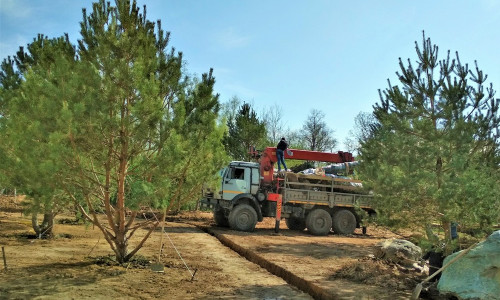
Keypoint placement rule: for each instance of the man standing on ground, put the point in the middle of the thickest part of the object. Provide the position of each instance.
(280, 153)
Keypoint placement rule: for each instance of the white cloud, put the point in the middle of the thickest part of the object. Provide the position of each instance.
(230, 38)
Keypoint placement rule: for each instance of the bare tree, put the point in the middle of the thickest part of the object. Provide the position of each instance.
(273, 118)
(294, 139)
(362, 130)
(230, 108)
(316, 134)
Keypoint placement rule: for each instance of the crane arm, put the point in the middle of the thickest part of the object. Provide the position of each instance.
(268, 157)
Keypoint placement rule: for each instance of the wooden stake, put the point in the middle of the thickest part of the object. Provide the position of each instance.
(162, 232)
(4, 259)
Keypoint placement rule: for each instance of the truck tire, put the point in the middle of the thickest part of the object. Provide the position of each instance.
(319, 222)
(243, 218)
(219, 217)
(344, 222)
(294, 223)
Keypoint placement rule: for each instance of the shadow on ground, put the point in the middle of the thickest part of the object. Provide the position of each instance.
(47, 279)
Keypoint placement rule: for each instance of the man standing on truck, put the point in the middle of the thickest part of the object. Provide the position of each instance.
(280, 153)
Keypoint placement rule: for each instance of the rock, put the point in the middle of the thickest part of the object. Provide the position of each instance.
(476, 275)
(398, 251)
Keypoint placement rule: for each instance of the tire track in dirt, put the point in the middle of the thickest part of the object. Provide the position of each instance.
(302, 284)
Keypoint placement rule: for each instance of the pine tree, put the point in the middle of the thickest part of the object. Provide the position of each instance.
(145, 132)
(10, 79)
(244, 131)
(34, 86)
(114, 125)
(433, 156)
(203, 152)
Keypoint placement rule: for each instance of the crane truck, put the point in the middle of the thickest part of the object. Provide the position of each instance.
(250, 191)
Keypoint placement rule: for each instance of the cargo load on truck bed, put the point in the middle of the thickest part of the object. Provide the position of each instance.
(324, 190)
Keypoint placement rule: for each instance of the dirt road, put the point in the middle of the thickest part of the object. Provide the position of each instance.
(72, 265)
(323, 260)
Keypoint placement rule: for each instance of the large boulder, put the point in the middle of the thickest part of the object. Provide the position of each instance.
(476, 275)
(398, 251)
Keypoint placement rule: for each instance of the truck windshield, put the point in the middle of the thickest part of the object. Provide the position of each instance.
(223, 172)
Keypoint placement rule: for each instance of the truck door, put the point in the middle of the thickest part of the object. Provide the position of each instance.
(235, 182)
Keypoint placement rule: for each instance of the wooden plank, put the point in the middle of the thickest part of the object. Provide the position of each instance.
(347, 180)
(309, 184)
(347, 187)
(313, 176)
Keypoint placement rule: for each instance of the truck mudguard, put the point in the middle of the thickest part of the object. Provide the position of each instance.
(250, 200)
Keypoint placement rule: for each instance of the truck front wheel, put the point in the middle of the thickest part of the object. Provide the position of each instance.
(219, 217)
(344, 222)
(294, 223)
(243, 218)
(319, 222)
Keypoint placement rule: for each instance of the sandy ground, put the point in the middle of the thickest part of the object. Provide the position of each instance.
(328, 260)
(73, 264)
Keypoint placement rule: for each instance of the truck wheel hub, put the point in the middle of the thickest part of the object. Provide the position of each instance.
(243, 218)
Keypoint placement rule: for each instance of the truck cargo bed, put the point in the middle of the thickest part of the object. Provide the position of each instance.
(324, 190)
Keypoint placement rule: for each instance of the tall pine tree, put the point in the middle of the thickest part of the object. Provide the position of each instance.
(433, 156)
(118, 128)
(149, 135)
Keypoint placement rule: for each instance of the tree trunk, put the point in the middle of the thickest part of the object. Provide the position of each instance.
(121, 250)
(43, 230)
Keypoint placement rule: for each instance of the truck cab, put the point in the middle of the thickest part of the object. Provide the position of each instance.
(237, 202)
(240, 178)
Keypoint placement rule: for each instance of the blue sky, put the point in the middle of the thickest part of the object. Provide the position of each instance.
(301, 55)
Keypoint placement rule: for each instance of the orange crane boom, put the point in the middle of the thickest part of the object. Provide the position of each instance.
(267, 158)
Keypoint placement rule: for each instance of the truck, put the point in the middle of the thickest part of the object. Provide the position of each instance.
(250, 191)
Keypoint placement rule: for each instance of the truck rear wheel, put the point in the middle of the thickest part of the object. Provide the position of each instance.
(319, 222)
(243, 218)
(344, 222)
(219, 217)
(295, 223)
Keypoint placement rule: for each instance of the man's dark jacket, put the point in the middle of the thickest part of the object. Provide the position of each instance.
(282, 145)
